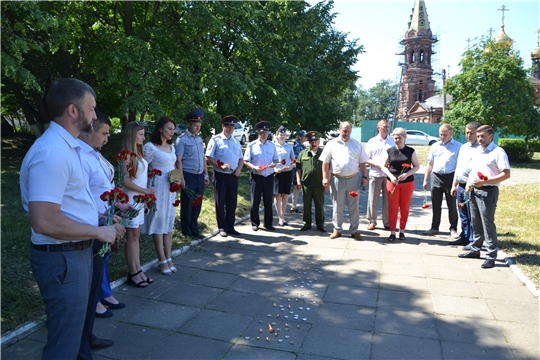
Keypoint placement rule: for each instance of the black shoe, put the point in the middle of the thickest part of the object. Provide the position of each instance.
(386, 227)
(488, 264)
(99, 344)
(459, 242)
(113, 306)
(271, 228)
(255, 228)
(321, 229)
(234, 232)
(305, 228)
(401, 236)
(105, 314)
(298, 211)
(470, 255)
(392, 238)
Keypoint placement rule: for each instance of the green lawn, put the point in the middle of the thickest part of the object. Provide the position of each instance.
(517, 220)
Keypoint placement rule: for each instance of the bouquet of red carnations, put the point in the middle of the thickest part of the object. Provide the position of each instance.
(152, 176)
(120, 159)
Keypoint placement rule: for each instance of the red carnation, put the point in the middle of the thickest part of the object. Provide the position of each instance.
(353, 193)
(294, 161)
(425, 206)
(220, 163)
(264, 167)
(482, 176)
(405, 165)
(283, 162)
(174, 187)
(177, 203)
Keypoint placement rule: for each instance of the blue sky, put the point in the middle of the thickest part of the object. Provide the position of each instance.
(380, 25)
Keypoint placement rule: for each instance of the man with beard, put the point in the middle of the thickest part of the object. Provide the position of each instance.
(63, 216)
(224, 153)
(309, 177)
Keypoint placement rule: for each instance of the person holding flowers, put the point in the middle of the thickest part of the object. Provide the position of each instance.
(400, 165)
(224, 153)
(489, 167)
(135, 179)
(261, 158)
(283, 178)
(160, 154)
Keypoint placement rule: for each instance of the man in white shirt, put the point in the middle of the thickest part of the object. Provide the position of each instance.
(461, 176)
(376, 151)
(63, 216)
(491, 162)
(342, 158)
(442, 161)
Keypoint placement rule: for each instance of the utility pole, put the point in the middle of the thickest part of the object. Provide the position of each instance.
(444, 93)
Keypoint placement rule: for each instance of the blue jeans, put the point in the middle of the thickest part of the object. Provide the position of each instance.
(465, 214)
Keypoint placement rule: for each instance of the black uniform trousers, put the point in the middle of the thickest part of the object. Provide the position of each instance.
(225, 197)
(260, 185)
(442, 184)
(95, 288)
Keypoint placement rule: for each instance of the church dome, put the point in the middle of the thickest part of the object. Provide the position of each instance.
(503, 39)
(536, 53)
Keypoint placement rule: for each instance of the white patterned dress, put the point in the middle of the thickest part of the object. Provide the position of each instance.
(141, 180)
(162, 220)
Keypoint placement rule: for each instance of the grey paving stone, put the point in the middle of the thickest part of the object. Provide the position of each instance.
(511, 311)
(337, 343)
(190, 295)
(231, 266)
(162, 315)
(482, 332)
(452, 350)
(287, 335)
(363, 254)
(390, 346)
(183, 346)
(242, 352)
(461, 306)
(23, 349)
(405, 300)
(212, 279)
(445, 261)
(517, 293)
(217, 325)
(403, 283)
(402, 257)
(453, 287)
(496, 275)
(410, 323)
(345, 316)
(260, 286)
(522, 338)
(351, 295)
(238, 303)
(403, 269)
(441, 272)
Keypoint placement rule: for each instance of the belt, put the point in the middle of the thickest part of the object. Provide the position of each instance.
(68, 246)
(442, 175)
(345, 177)
(462, 185)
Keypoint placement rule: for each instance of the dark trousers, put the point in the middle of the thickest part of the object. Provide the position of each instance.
(260, 185)
(313, 194)
(95, 288)
(64, 283)
(464, 214)
(483, 205)
(225, 197)
(442, 185)
(190, 214)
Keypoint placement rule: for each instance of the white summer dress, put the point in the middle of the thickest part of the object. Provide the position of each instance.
(141, 180)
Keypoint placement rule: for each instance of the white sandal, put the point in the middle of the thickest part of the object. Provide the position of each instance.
(167, 271)
(172, 268)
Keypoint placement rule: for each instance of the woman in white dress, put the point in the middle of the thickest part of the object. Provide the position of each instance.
(160, 154)
(135, 183)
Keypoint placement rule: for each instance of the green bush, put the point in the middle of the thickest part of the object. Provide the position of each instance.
(516, 150)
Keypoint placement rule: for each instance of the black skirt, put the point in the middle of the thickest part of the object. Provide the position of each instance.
(282, 183)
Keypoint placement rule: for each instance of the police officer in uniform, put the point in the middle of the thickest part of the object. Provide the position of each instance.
(224, 153)
(261, 157)
(191, 161)
(309, 177)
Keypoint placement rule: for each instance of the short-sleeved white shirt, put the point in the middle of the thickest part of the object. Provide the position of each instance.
(444, 156)
(490, 162)
(259, 154)
(463, 168)
(52, 172)
(376, 151)
(344, 157)
(227, 150)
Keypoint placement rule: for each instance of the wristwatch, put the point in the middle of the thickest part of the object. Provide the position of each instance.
(364, 177)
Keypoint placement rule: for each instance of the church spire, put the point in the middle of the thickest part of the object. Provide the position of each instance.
(419, 20)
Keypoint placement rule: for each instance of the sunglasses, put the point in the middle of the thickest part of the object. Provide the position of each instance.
(313, 140)
(139, 123)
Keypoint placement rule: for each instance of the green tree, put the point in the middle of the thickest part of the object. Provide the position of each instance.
(493, 88)
(378, 102)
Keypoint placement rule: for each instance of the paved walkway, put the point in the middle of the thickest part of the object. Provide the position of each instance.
(325, 299)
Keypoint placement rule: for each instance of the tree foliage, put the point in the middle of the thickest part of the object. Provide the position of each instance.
(493, 89)
(280, 61)
(378, 102)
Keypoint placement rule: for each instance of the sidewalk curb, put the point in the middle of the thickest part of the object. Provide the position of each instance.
(522, 277)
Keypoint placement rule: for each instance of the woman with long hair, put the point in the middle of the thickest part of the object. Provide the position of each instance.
(400, 166)
(160, 154)
(135, 183)
(283, 178)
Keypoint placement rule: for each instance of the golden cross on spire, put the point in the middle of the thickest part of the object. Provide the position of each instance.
(538, 31)
(490, 31)
(468, 42)
(503, 9)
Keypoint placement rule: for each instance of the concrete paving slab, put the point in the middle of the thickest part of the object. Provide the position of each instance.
(453, 288)
(459, 329)
(513, 311)
(517, 293)
(392, 254)
(446, 261)
(523, 339)
(362, 254)
(217, 325)
(337, 343)
(190, 295)
(24, 349)
(461, 306)
(242, 352)
(403, 269)
(345, 316)
(212, 279)
(405, 300)
(238, 303)
(390, 346)
(183, 346)
(351, 295)
(410, 323)
(161, 315)
(452, 350)
(398, 282)
(441, 272)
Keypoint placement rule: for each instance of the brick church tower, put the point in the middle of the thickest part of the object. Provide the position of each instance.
(417, 84)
